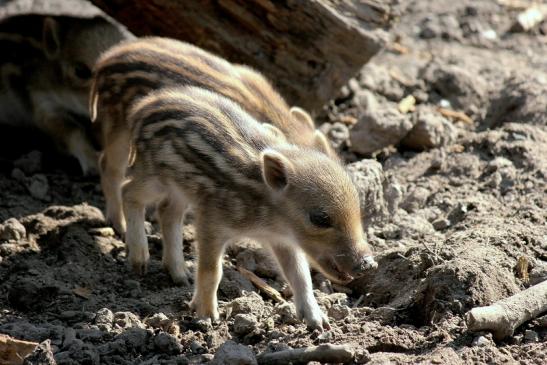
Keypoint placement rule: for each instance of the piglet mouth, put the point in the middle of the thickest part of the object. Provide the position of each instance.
(335, 273)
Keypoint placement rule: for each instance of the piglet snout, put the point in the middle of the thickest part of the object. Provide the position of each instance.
(367, 263)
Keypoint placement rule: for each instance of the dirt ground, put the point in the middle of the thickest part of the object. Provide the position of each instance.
(451, 205)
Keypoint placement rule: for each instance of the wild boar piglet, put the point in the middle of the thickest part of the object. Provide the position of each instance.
(195, 147)
(45, 77)
(130, 70)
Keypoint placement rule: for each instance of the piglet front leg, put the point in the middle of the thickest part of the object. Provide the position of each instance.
(296, 270)
(210, 249)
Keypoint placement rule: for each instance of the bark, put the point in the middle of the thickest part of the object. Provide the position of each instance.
(309, 49)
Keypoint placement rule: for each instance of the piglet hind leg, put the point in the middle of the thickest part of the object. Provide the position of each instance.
(171, 213)
(295, 268)
(113, 165)
(210, 249)
(137, 194)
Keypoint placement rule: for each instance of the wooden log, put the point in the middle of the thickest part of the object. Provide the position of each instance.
(308, 48)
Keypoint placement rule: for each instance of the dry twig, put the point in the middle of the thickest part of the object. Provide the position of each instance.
(261, 284)
(504, 316)
(456, 115)
(327, 353)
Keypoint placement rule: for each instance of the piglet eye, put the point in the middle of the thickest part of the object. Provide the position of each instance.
(320, 219)
(82, 71)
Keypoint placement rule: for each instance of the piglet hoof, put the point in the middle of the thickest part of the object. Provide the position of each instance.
(205, 311)
(118, 223)
(315, 319)
(368, 263)
(180, 276)
(138, 261)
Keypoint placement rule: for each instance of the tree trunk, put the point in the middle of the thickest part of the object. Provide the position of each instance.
(308, 48)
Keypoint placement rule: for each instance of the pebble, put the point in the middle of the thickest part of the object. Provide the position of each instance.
(287, 313)
(104, 319)
(30, 163)
(481, 341)
(244, 324)
(531, 336)
(69, 337)
(38, 187)
(231, 353)
(42, 355)
(441, 224)
(166, 343)
(18, 174)
(158, 320)
(250, 303)
(197, 348)
(203, 325)
(12, 229)
(339, 312)
(135, 338)
(126, 320)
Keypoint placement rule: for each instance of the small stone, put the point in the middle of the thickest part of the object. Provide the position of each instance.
(197, 348)
(231, 353)
(38, 187)
(339, 312)
(542, 321)
(287, 313)
(458, 213)
(244, 324)
(127, 320)
(104, 319)
(531, 336)
(18, 174)
(362, 356)
(30, 163)
(481, 341)
(416, 199)
(42, 355)
(158, 320)
(203, 325)
(68, 337)
(325, 337)
(166, 343)
(12, 229)
(441, 224)
(338, 134)
(134, 338)
(250, 303)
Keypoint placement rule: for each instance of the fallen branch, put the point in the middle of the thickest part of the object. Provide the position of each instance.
(261, 284)
(13, 351)
(504, 316)
(327, 353)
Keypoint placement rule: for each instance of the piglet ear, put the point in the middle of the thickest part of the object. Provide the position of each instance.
(322, 144)
(276, 169)
(50, 38)
(302, 116)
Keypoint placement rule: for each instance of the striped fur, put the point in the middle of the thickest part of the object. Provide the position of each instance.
(195, 147)
(133, 69)
(45, 77)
